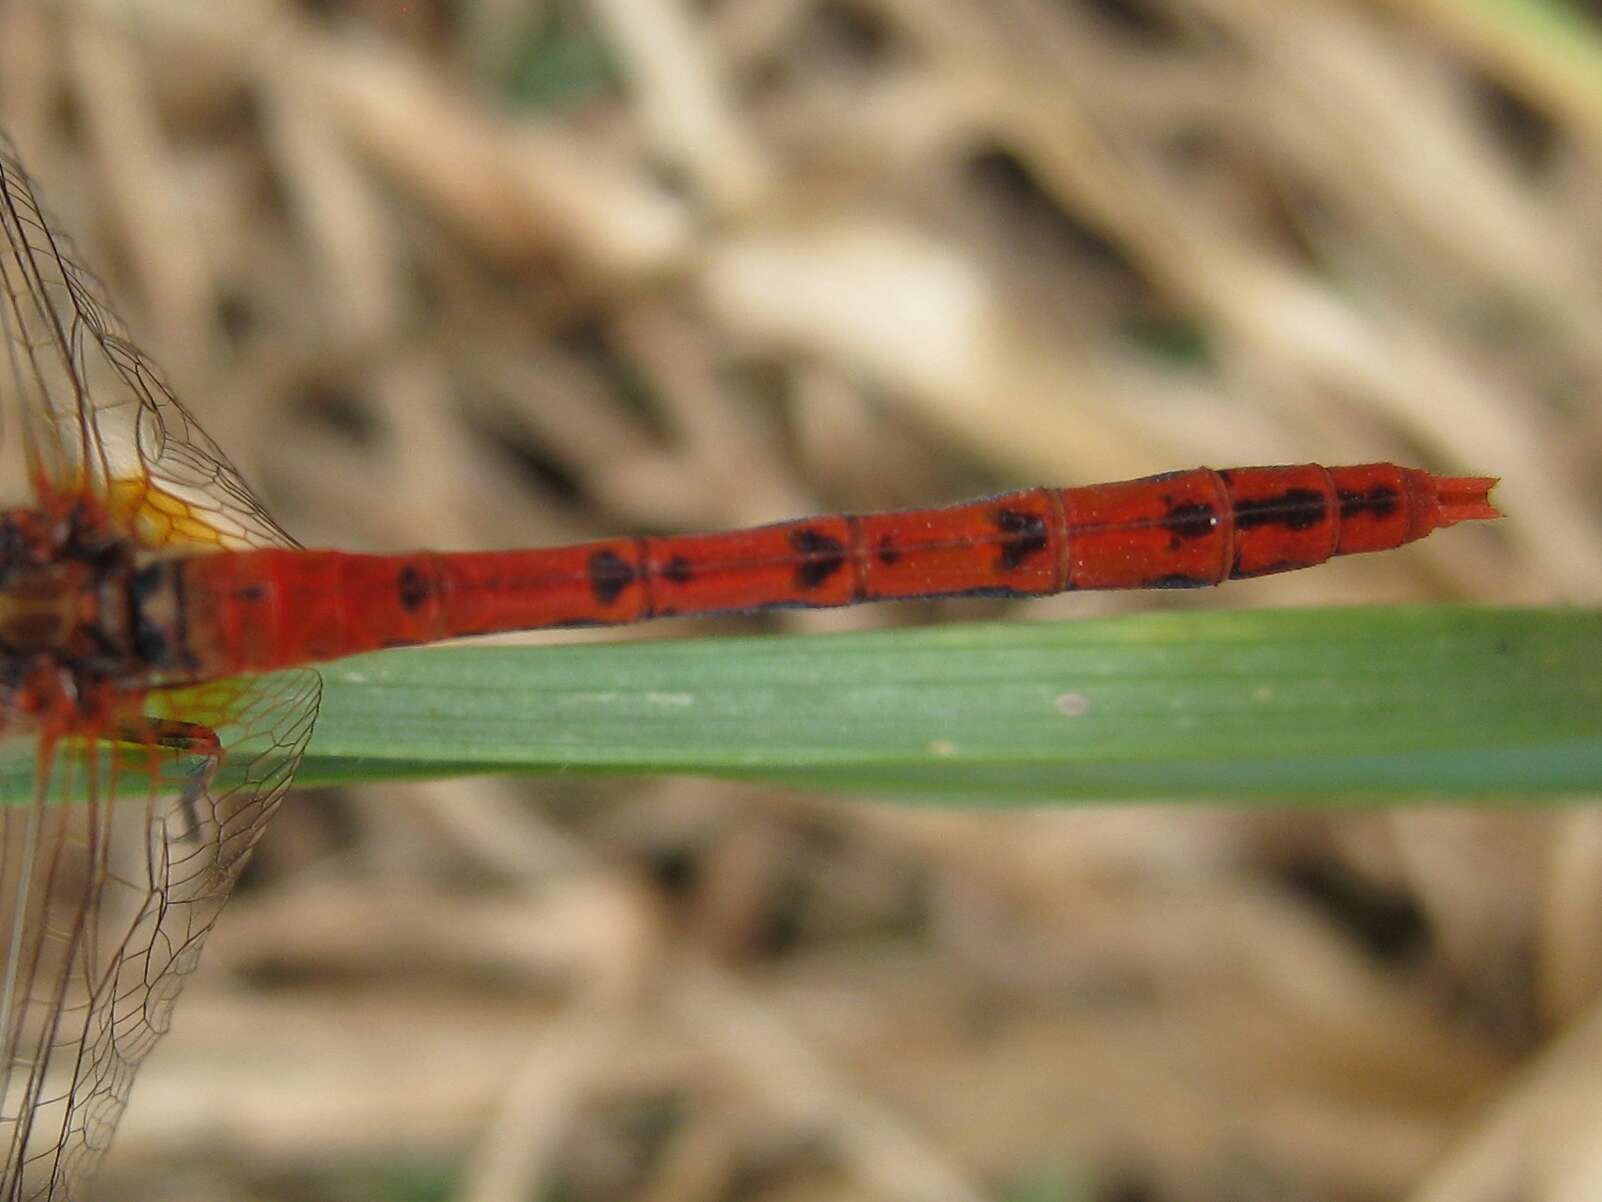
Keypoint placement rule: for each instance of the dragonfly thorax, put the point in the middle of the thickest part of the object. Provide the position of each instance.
(66, 608)
(42, 609)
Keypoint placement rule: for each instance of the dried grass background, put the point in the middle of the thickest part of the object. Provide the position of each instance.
(501, 272)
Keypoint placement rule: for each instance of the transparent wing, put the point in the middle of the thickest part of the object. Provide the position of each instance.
(104, 903)
(91, 411)
(108, 898)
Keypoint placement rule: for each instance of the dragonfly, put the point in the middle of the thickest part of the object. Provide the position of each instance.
(159, 633)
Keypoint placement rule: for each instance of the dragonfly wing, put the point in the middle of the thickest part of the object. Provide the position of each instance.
(104, 903)
(108, 899)
(91, 411)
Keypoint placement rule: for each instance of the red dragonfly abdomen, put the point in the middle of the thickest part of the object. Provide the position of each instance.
(257, 611)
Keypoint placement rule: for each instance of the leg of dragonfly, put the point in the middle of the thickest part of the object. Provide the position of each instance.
(199, 743)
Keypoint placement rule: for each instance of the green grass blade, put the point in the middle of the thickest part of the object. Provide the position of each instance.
(1314, 705)
(1379, 703)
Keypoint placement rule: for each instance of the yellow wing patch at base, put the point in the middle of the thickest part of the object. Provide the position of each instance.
(157, 518)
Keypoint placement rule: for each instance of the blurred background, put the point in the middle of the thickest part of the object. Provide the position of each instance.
(481, 273)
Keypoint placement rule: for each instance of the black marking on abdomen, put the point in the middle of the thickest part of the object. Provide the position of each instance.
(1294, 509)
(1176, 580)
(1380, 502)
(1025, 537)
(825, 555)
(413, 587)
(1188, 522)
(999, 592)
(679, 570)
(610, 574)
(889, 555)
